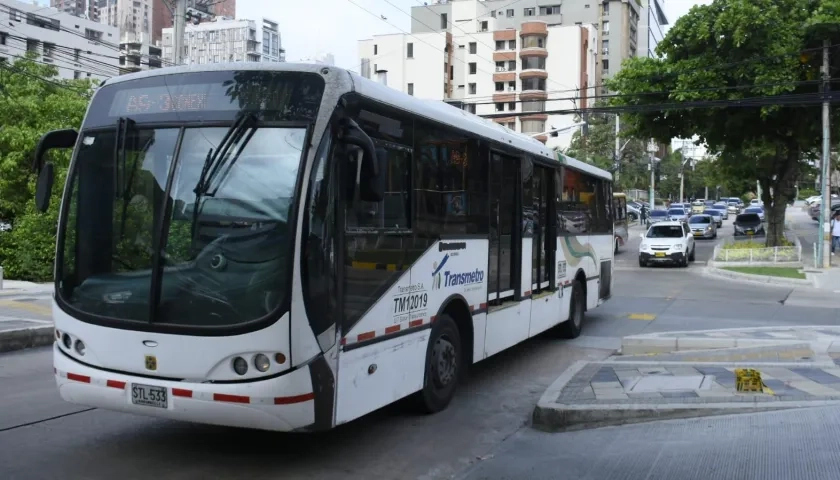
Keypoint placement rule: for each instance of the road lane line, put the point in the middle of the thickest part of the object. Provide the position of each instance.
(34, 308)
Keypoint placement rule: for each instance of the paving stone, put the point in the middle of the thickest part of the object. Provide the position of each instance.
(680, 395)
(812, 388)
(683, 371)
(668, 383)
(610, 397)
(644, 395)
(816, 375)
(606, 385)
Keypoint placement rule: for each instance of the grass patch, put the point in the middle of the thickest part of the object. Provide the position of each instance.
(752, 245)
(784, 272)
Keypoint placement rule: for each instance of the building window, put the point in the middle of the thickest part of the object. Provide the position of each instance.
(530, 12)
(49, 49)
(550, 10)
(473, 48)
(533, 62)
(500, 67)
(410, 88)
(512, 126)
(512, 86)
(473, 68)
(484, 26)
(605, 29)
(510, 12)
(443, 21)
(470, 107)
(31, 45)
(533, 41)
(511, 65)
(606, 8)
(511, 44)
(533, 106)
(500, 86)
(605, 64)
(533, 84)
(511, 106)
(3, 38)
(533, 126)
(77, 75)
(471, 88)
(500, 107)
(500, 44)
(410, 50)
(376, 49)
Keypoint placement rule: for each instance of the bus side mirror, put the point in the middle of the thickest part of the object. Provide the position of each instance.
(65, 138)
(43, 189)
(372, 179)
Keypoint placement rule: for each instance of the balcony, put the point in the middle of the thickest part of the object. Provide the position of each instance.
(533, 28)
(533, 52)
(533, 73)
(504, 77)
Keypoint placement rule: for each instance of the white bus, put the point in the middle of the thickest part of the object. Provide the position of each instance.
(290, 247)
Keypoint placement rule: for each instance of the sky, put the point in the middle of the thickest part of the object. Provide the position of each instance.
(311, 27)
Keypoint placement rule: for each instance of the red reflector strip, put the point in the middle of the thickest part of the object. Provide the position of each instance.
(181, 392)
(294, 399)
(527, 293)
(78, 378)
(415, 323)
(115, 384)
(366, 336)
(392, 329)
(223, 397)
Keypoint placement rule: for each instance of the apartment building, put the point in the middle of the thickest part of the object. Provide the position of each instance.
(129, 16)
(162, 17)
(615, 22)
(516, 75)
(59, 39)
(81, 8)
(137, 53)
(225, 40)
(651, 27)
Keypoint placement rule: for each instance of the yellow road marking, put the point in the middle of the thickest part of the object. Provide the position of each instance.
(641, 316)
(31, 307)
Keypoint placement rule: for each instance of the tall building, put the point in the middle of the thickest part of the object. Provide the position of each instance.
(137, 54)
(616, 23)
(515, 75)
(163, 13)
(80, 8)
(651, 27)
(78, 47)
(224, 40)
(129, 16)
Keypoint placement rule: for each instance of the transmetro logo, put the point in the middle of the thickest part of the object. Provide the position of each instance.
(436, 276)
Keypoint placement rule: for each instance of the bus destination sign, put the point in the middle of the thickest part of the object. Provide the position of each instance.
(180, 99)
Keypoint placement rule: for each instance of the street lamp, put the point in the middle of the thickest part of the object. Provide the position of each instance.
(652, 148)
(558, 130)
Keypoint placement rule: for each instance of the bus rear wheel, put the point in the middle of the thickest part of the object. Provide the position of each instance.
(443, 366)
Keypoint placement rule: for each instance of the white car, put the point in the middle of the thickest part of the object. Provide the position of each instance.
(667, 242)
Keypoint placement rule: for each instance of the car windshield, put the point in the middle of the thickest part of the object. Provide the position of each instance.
(665, 231)
(748, 218)
(711, 211)
(676, 211)
(733, 202)
(700, 219)
(179, 224)
(719, 205)
(754, 210)
(659, 213)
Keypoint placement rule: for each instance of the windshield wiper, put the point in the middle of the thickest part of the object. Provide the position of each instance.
(121, 185)
(218, 159)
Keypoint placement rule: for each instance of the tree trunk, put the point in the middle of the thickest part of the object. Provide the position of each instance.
(783, 188)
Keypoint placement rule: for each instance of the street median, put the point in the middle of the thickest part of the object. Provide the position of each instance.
(21, 338)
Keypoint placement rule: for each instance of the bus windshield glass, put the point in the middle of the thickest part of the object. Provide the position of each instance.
(170, 222)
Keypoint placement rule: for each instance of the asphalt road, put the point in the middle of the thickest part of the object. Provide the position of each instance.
(43, 437)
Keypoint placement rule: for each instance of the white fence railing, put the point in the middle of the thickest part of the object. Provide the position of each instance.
(788, 254)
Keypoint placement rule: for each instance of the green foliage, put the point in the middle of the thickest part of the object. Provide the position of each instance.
(807, 192)
(732, 50)
(31, 107)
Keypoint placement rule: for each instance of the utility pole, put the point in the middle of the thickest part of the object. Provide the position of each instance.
(823, 259)
(617, 151)
(652, 152)
(179, 24)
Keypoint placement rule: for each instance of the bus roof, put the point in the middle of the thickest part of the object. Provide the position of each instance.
(432, 109)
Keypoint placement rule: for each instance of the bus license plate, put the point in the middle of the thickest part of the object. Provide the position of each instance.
(149, 396)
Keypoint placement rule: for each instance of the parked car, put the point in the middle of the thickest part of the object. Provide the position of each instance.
(757, 210)
(667, 242)
(703, 225)
(717, 215)
(657, 216)
(748, 224)
(633, 212)
(722, 208)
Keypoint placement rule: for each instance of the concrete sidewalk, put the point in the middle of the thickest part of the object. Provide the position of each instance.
(25, 321)
(798, 367)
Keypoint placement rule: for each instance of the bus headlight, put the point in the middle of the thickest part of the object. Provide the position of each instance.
(261, 362)
(80, 347)
(240, 366)
(67, 341)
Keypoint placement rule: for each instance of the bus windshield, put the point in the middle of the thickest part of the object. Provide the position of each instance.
(202, 213)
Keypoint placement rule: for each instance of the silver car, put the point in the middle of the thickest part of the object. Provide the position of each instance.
(723, 208)
(716, 214)
(678, 214)
(703, 225)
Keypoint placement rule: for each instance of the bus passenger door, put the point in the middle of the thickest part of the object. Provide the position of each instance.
(545, 303)
(507, 321)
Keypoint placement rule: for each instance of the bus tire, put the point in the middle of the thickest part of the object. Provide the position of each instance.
(571, 328)
(443, 366)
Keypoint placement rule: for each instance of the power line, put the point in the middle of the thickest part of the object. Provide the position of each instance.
(19, 71)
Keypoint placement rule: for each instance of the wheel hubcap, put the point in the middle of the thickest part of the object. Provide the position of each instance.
(445, 361)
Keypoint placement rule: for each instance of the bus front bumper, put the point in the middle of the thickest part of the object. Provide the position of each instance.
(284, 403)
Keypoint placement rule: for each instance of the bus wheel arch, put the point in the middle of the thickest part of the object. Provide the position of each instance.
(458, 310)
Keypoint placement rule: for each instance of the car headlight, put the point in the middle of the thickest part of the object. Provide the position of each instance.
(708, 228)
(677, 246)
(643, 246)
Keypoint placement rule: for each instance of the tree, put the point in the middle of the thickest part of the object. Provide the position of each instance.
(33, 101)
(734, 52)
(597, 147)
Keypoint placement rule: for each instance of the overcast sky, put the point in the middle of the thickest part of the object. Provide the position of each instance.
(310, 27)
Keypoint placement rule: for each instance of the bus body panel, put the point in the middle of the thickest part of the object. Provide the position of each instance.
(507, 325)
(190, 357)
(376, 375)
(547, 310)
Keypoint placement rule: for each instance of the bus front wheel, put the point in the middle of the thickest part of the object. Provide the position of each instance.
(443, 366)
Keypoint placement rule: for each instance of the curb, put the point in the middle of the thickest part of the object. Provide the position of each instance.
(641, 345)
(750, 278)
(19, 339)
(551, 416)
